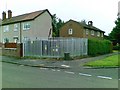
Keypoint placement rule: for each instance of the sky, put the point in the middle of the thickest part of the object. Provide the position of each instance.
(103, 13)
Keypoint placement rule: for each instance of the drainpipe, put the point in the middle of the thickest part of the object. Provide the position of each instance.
(21, 47)
(20, 33)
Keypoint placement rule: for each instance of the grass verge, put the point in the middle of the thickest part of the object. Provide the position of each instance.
(111, 61)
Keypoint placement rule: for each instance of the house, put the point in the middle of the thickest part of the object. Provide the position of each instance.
(27, 26)
(81, 30)
(0, 30)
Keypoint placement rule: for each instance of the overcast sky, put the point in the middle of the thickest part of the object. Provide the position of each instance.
(103, 13)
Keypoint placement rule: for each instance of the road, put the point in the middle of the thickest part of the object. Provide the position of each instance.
(19, 76)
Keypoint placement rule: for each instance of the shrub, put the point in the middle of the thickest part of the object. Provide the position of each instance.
(99, 47)
(116, 47)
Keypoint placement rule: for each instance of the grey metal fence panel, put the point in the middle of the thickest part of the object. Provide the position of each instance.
(56, 47)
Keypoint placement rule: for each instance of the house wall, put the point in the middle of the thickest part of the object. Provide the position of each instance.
(77, 30)
(93, 36)
(0, 31)
(0, 34)
(11, 33)
(39, 27)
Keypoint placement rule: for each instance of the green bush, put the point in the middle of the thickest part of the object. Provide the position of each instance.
(99, 47)
(116, 47)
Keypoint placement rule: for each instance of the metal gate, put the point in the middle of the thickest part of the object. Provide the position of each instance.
(56, 47)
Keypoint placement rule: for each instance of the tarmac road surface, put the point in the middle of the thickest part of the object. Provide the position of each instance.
(20, 76)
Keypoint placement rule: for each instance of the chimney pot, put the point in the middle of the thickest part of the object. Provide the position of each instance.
(9, 14)
(90, 23)
(3, 15)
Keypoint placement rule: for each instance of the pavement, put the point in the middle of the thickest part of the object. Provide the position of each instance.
(61, 64)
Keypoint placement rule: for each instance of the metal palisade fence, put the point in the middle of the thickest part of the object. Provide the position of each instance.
(55, 47)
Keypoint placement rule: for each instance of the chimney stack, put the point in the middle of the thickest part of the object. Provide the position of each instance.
(9, 14)
(3, 15)
(90, 23)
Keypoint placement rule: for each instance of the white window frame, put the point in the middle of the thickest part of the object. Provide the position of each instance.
(98, 34)
(26, 26)
(15, 27)
(70, 31)
(92, 32)
(6, 28)
(87, 31)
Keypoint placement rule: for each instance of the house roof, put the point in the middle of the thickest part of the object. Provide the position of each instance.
(24, 17)
(87, 26)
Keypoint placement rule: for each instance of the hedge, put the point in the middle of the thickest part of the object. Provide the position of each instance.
(99, 47)
(116, 47)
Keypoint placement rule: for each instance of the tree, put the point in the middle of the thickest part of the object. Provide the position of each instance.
(115, 33)
(83, 21)
(57, 24)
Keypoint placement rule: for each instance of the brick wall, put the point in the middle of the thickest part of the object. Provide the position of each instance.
(10, 45)
(17, 52)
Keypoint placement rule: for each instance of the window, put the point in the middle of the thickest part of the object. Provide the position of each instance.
(26, 26)
(15, 27)
(102, 34)
(70, 31)
(26, 38)
(6, 28)
(87, 31)
(98, 34)
(92, 32)
(15, 39)
(6, 40)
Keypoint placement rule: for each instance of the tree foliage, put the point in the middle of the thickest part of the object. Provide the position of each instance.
(57, 24)
(115, 33)
(83, 21)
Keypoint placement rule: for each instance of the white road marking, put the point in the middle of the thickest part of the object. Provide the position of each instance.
(65, 66)
(53, 70)
(69, 72)
(104, 77)
(21, 65)
(85, 74)
(44, 68)
(58, 70)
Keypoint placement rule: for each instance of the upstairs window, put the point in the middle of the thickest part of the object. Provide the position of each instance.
(70, 31)
(26, 26)
(98, 34)
(6, 28)
(15, 27)
(102, 34)
(92, 32)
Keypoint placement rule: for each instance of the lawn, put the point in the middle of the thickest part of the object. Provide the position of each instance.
(111, 61)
